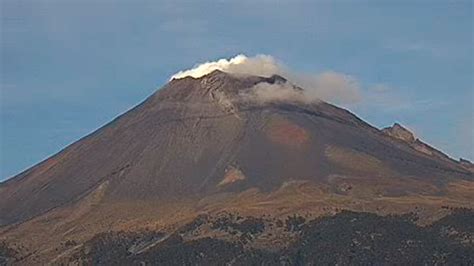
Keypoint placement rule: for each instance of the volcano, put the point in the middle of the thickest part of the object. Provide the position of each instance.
(206, 167)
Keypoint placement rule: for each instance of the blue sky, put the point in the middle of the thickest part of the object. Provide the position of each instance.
(68, 67)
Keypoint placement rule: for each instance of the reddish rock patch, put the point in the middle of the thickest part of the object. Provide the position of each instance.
(287, 133)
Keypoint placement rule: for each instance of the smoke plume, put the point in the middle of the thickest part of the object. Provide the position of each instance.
(279, 92)
(328, 86)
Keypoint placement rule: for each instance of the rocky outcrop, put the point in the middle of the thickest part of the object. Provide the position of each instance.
(399, 132)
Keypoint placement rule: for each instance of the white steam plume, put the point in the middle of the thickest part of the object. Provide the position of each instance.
(265, 92)
(329, 86)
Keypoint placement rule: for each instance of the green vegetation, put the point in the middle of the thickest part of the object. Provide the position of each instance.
(348, 238)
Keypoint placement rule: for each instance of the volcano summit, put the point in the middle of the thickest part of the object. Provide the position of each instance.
(230, 168)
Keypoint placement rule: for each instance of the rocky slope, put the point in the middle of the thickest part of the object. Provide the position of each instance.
(206, 145)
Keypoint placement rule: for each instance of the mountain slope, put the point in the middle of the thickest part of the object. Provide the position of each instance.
(201, 145)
